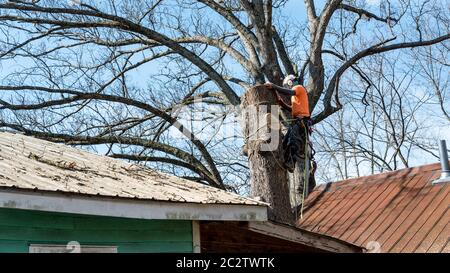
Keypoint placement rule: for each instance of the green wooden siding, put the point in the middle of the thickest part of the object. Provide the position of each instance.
(19, 228)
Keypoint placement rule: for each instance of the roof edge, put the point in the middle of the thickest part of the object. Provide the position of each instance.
(305, 237)
(89, 195)
(63, 202)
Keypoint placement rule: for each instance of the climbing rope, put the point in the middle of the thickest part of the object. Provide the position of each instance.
(305, 171)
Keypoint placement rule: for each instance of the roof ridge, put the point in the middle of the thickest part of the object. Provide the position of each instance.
(389, 174)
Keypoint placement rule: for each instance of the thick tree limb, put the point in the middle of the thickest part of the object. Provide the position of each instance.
(284, 57)
(316, 68)
(241, 59)
(311, 12)
(233, 20)
(248, 38)
(261, 19)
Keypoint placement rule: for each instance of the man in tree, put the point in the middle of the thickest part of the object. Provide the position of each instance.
(296, 140)
(299, 96)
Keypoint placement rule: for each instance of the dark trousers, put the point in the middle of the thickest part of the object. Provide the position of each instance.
(294, 143)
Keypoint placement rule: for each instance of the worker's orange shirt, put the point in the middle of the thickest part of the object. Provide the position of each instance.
(300, 105)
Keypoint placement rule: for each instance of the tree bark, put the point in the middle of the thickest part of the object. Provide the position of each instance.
(263, 141)
(297, 193)
(296, 185)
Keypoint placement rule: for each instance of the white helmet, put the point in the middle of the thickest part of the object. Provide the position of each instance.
(289, 80)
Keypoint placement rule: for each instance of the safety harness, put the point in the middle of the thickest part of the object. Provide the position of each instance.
(299, 129)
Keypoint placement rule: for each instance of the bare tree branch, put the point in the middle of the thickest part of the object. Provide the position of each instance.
(367, 14)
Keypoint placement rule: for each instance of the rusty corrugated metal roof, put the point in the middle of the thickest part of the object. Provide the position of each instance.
(399, 211)
(34, 164)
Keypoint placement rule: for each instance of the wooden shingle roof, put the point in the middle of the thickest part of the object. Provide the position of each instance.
(28, 163)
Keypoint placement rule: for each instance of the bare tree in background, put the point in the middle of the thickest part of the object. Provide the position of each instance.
(112, 72)
(435, 68)
(382, 133)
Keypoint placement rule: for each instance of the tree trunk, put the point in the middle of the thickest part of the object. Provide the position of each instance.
(263, 141)
(295, 185)
(296, 182)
